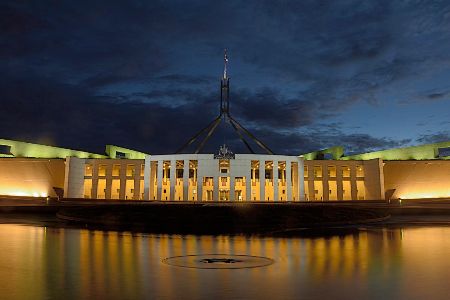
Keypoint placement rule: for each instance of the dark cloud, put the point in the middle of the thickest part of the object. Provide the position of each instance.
(146, 74)
(442, 136)
(437, 95)
(268, 108)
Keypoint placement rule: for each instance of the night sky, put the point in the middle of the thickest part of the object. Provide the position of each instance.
(305, 75)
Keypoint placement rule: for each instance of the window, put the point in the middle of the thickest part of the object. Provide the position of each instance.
(116, 170)
(318, 190)
(361, 190)
(305, 171)
(101, 189)
(223, 171)
(130, 170)
(332, 189)
(102, 170)
(281, 174)
(87, 188)
(5, 149)
(120, 155)
(345, 171)
(88, 170)
(142, 170)
(442, 152)
(359, 171)
(318, 171)
(346, 190)
(115, 189)
(129, 189)
(331, 171)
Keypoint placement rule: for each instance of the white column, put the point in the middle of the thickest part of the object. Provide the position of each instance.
(159, 180)
(153, 171)
(232, 187)
(262, 179)
(288, 180)
(147, 170)
(122, 180)
(74, 178)
(301, 179)
(137, 194)
(216, 188)
(275, 180)
(173, 179)
(248, 184)
(108, 181)
(186, 180)
(199, 184)
(94, 179)
(325, 184)
(354, 192)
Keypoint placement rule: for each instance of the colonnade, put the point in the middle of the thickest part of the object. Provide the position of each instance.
(201, 177)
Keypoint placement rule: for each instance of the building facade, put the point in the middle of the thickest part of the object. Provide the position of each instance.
(32, 170)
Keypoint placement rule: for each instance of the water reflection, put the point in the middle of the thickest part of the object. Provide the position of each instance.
(51, 263)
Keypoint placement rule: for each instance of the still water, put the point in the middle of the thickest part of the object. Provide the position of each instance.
(60, 263)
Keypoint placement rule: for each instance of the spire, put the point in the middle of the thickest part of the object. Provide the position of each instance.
(225, 89)
(225, 60)
(224, 115)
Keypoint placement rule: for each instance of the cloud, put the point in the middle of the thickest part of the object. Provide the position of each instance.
(442, 136)
(143, 74)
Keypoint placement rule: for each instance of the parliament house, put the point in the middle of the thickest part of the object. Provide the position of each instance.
(33, 170)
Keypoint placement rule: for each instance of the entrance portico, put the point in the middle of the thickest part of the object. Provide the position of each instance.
(205, 177)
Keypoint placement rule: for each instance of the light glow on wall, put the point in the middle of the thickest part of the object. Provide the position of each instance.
(21, 193)
(425, 195)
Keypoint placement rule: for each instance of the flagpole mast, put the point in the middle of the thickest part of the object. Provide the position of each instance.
(224, 115)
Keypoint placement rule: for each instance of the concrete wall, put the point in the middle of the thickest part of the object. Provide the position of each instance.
(418, 179)
(124, 192)
(31, 177)
(372, 180)
(74, 178)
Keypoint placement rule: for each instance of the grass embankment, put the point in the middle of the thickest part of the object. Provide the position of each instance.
(217, 219)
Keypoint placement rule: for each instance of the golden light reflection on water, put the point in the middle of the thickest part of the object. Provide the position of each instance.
(49, 263)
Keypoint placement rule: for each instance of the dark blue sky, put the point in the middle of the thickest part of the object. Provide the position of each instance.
(304, 74)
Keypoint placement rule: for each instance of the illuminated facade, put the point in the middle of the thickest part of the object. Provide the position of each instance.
(32, 170)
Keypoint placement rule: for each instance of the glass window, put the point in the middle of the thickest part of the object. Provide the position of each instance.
(331, 171)
(130, 170)
(305, 171)
(142, 170)
(346, 190)
(359, 171)
(141, 189)
(88, 170)
(361, 190)
(129, 189)
(345, 171)
(317, 171)
(102, 170)
(87, 188)
(116, 170)
(115, 189)
(101, 189)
